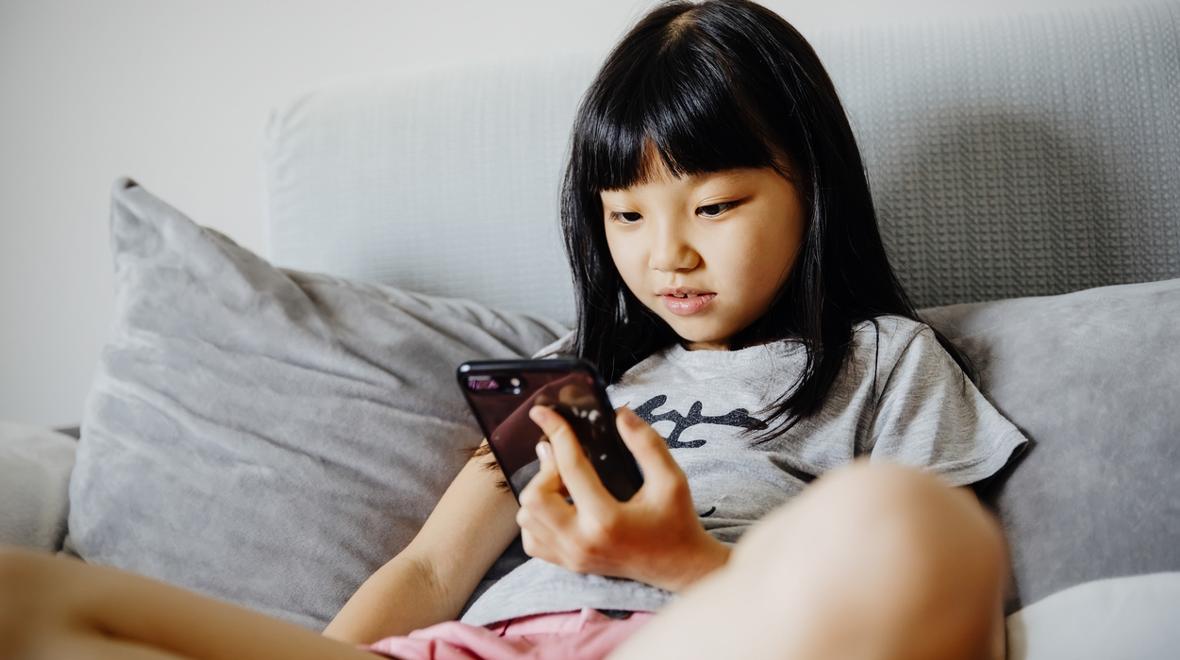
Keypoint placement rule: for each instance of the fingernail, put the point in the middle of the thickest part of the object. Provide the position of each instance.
(629, 416)
(543, 450)
(538, 413)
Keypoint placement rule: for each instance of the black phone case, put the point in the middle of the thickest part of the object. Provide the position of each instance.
(501, 392)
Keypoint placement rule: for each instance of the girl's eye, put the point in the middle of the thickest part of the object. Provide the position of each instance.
(625, 217)
(714, 210)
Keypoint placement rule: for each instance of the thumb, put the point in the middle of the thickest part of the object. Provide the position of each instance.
(648, 447)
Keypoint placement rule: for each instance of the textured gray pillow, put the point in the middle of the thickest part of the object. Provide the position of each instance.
(1092, 378)
(268, 436)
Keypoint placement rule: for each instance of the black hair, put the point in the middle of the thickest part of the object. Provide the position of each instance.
(711, 86)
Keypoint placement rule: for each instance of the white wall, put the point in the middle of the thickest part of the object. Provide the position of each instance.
(176, 94)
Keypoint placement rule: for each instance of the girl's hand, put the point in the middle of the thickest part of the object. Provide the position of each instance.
(655, 537)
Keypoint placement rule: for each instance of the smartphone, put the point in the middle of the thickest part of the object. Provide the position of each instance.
(501, 392)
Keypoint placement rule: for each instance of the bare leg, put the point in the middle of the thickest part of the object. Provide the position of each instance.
(55, 607)
(870, 562)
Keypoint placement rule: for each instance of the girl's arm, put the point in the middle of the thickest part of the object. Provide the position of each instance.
(431, 579)
(401, 596)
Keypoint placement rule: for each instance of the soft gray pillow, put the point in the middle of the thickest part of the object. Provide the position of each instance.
(1092, 378)
(35, 466)
(268, 436)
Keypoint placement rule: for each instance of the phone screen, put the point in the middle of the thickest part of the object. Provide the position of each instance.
(501, 394)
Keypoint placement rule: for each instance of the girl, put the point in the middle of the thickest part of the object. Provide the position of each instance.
(734, 290)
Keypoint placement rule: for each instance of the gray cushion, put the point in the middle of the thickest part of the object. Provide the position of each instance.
(35, 466)
(243, 413)
(1091, 377)
(268, 436)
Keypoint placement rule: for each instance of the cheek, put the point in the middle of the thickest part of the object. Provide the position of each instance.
(625, 256)
(760, 260)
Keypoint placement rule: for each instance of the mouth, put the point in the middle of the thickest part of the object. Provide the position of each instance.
(683, 292)
(686, 302)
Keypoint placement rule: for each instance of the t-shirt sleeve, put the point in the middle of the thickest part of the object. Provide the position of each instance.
(931, 415)
(563, 345)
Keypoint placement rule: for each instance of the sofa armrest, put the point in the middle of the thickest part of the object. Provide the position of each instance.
(35, 465)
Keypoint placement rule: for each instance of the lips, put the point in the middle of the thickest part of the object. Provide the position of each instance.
(686, 303)
(682, 291)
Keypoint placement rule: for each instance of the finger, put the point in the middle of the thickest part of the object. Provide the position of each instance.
(548, 478)
(553, 482)
(547, 522)
(576, 471)
(649, 447)
(535, 542)
(545, 494)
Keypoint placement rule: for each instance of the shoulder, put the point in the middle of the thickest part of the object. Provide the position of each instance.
(890, 335)
(563, 345)
(891, 345)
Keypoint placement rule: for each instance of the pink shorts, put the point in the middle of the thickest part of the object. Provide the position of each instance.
(585, 633)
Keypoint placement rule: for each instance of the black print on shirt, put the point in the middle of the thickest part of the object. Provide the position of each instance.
(739, 417)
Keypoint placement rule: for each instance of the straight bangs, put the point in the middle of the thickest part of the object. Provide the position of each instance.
(676, 98)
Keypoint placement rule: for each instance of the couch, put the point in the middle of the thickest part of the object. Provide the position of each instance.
(269, 428)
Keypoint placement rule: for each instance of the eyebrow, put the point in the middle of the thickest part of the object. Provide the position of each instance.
(723, 174)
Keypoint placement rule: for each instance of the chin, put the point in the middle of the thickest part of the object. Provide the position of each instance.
(699, 336)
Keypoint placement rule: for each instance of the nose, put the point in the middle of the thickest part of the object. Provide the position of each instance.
(671, 250)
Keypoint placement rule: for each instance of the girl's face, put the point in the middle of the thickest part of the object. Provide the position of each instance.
(706, 253)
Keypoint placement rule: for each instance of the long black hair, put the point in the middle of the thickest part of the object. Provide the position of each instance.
(712, 86)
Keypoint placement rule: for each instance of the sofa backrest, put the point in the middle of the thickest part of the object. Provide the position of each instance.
(1025, 155)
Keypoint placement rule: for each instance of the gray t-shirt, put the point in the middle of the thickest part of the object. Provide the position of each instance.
(901, 397)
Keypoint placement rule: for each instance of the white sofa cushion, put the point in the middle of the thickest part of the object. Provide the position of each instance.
(1129, 618)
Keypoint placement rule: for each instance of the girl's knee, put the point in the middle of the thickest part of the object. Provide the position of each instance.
(892, 547)
(913, 515)
(37, 597)
(20, 569)
(892, 502)
(897, 527)
(19, 574)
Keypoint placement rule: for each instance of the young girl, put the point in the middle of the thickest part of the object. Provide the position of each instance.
(734, 291)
